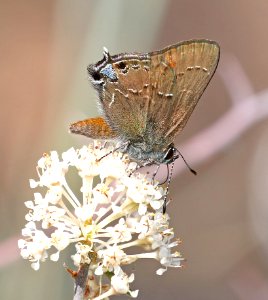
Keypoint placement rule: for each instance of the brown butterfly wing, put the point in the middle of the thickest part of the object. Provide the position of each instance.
(148, 98)
(179, 75)
(125, 102)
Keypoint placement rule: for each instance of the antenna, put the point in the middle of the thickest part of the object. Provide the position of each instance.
(190, 169)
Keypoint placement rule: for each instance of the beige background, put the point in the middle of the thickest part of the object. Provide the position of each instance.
(221, 215)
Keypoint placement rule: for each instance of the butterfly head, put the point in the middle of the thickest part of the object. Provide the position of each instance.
(102, 71)
(112, 68)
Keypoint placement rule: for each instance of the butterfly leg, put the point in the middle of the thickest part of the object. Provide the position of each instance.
(103, 145)
(141, 166)
(155, 172)
(125, 145)
(167, 177)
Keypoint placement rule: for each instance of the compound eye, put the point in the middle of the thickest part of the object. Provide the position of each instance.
(96, 76)
(169, 154)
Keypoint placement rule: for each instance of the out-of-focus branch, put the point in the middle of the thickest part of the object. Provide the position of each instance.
(247, 110)
(224, 131)
(235, 79)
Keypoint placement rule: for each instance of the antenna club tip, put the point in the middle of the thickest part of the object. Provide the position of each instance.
(194, 172)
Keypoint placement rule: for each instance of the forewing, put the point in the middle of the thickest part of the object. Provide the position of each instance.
(179, 75)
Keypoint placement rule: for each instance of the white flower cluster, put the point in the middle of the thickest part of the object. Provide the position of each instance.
(117, 209)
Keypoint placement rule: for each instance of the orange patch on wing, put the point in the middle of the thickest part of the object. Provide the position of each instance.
(172, 62)
(95, 128)
(171, 58)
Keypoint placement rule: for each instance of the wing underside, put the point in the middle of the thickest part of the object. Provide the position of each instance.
(181, 75)
(154, 97)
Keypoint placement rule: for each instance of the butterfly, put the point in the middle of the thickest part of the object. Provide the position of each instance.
(146, 99)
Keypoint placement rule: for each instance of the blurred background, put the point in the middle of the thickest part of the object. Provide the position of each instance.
(222, 214)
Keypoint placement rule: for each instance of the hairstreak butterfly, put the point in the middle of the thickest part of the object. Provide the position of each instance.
(146, 99)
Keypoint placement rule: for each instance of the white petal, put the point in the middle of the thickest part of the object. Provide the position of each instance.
(21, 243)
(35, 265)
(134, 294)
(142, 209)
(29, 204)
(156, 204)
(99, 271)
(161, 271)
(33, 183)
(55, 256)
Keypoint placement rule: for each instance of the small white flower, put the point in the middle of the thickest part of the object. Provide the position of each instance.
(115, 209)
(120, 283)
(120, 232)
(103, 193)
(144, 193)
(34, 248)
(111, 258)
